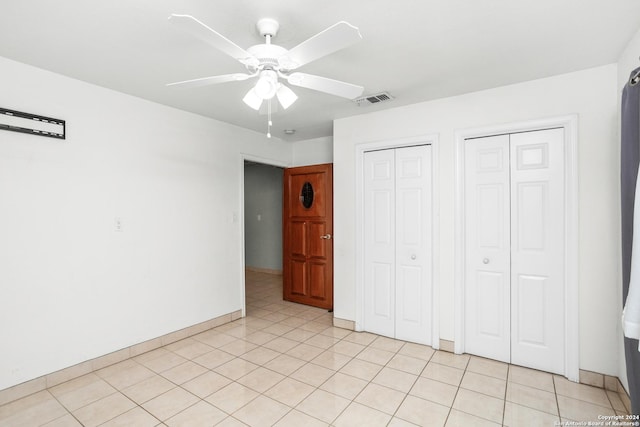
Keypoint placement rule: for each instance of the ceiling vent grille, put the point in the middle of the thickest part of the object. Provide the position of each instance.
(373, 99)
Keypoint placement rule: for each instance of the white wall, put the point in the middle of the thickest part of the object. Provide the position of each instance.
(627, 62)
(263, 188)
(71, 288)
(589, 93)
(312, 151)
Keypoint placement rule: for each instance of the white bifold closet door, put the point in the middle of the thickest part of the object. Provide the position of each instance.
(398, 252)
(515, 245)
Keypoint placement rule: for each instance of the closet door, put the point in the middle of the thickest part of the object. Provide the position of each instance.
(514, 248)
(537, 250)
(487, 242)
(380, 230)
(413, 244)
(398, 253)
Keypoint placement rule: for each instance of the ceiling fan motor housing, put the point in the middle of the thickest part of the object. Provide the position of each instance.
(267, 54)
(268, 27)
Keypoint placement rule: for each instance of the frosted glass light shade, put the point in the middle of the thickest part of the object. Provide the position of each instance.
(267, 84)
(252, 99)
(286, 96)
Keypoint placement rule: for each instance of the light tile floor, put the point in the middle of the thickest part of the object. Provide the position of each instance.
(285, 365)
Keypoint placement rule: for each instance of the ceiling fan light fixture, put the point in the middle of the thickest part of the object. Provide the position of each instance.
(252, 99)
(267, 85)
(286, 96)
(269, 62)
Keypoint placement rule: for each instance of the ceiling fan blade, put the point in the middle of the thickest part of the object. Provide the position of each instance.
(204, 81)
(334, 38)
(324, 84)
(202, 31)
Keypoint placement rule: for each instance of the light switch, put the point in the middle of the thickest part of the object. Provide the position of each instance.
(117, 224)
(259, 217)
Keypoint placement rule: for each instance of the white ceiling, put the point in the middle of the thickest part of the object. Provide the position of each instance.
(414, 49)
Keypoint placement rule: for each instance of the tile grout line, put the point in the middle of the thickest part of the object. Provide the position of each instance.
(324, 382)
(408, 392)
(506, 386)
(371, 382)
(65, 408)
(172, 382)
(353, 357)
(555, 392)
(262, 365)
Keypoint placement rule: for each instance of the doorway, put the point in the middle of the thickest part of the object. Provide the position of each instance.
(516, 245)
(263, 217)
(261, 214)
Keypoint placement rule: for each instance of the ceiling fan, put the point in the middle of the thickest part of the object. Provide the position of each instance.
(271, 63)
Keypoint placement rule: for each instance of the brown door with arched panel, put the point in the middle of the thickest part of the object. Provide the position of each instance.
(308, 235)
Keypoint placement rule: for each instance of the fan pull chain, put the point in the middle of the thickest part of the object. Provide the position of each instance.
(269, 122)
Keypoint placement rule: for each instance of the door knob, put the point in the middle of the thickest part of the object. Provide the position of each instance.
(485, 261)
(326, 236)
(413, 257)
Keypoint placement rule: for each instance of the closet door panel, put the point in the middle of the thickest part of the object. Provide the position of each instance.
(409, 297)
(413, 244)
(531, 306)
(488, 306)
(379, 223)
(537, 272)
(382, 298)
(487, 295)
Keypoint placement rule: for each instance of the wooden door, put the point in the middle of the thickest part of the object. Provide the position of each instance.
(308, 235)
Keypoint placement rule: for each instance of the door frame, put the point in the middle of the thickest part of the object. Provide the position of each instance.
(572, 327)
(360, 149)
(240, 218)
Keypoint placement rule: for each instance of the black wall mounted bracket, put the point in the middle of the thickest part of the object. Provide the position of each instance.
(18, 121)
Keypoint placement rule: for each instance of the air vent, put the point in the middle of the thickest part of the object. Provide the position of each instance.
(373, 99)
